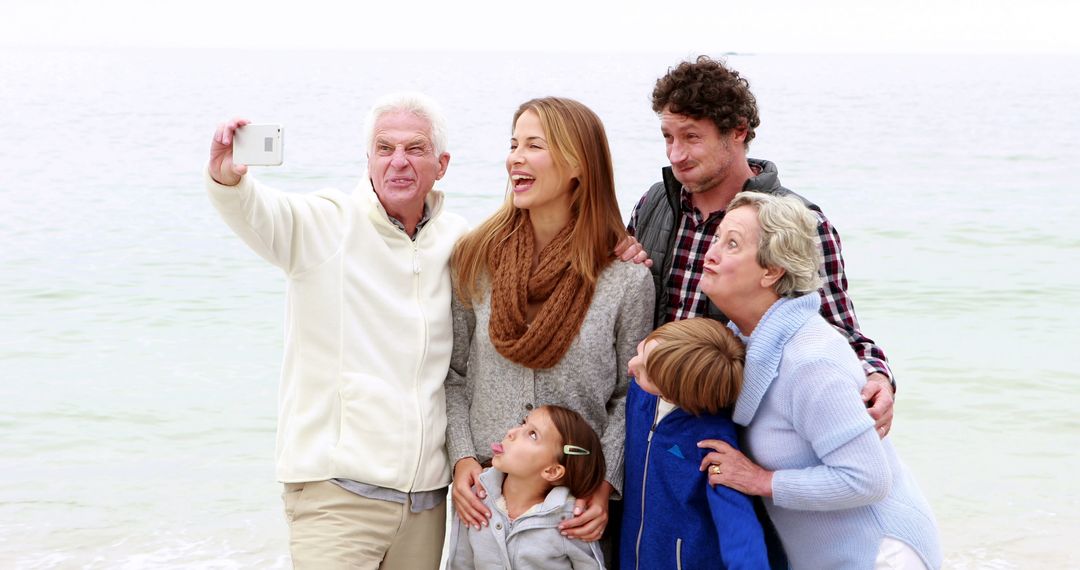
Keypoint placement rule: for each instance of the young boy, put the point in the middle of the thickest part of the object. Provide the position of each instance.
(688, 373)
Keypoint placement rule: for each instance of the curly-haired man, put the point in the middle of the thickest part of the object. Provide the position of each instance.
(708, 116)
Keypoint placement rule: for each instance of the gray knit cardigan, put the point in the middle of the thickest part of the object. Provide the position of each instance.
(487, 394)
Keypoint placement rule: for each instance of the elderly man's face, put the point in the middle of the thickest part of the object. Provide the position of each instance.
(402, 164)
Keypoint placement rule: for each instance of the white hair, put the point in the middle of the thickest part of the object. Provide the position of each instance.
(788, 240)
(417, 104)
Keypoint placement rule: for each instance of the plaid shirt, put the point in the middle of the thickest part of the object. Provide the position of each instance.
(695, 234)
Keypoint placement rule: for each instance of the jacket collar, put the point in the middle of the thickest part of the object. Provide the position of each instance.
(767, 179)
(765, 347)
(433, 202)
(492, 480)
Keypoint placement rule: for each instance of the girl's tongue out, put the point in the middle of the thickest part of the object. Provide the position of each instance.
(497, 448)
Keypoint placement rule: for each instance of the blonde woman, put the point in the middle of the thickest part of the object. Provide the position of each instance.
(543, 314)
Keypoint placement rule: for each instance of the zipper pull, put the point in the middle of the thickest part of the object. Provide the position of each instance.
(655, 421)
(416, 260)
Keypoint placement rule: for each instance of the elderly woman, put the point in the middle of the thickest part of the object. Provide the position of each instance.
(838, 495)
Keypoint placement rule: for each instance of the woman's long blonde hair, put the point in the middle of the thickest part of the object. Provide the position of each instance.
(577, 140)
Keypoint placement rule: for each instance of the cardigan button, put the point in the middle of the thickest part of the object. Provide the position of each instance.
(498, 526)
(528, 406)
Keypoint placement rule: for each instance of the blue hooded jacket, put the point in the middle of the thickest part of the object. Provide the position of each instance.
(672, 518)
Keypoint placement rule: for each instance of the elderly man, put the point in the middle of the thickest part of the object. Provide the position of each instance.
(362, 415)
(707, 117)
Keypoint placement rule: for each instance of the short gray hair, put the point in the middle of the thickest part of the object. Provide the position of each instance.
(788, 240)
(415, 103)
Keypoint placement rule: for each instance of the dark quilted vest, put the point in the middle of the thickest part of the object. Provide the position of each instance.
(656, 226)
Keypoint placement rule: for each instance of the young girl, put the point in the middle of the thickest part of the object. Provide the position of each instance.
(687, 375)
(537, 470)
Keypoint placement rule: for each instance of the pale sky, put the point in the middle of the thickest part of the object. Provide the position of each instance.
(747, 26)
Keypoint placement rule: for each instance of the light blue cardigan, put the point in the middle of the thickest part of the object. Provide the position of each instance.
(838, 489)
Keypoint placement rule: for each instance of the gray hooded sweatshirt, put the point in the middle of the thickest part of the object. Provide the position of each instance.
(532, 541)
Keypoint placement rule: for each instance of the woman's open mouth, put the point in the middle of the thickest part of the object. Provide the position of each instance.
(521, 182)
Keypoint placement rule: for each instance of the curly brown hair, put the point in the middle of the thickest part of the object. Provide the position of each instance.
(707, 89)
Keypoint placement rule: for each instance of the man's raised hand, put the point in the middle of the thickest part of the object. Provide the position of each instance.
(222, 169)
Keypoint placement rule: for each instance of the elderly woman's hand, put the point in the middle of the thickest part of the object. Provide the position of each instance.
(729, 467)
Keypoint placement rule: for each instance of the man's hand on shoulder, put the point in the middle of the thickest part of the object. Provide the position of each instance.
(222, 169)
(629, 249)
(878, 395)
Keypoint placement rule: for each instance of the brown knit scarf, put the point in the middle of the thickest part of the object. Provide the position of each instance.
(563, 293)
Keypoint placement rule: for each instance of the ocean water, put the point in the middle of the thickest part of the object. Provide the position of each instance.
(140, 340)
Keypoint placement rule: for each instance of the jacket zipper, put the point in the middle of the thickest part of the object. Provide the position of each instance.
(644, 479)
(678, 554)
(512, 525)
(420, 366)
(423, 356)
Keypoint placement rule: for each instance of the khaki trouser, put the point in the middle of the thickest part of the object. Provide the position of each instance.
(330, 528)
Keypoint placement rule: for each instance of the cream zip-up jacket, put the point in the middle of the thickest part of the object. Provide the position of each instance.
(368, 332)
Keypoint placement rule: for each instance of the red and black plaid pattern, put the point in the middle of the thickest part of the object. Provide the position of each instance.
(692, 239)
(837, 307)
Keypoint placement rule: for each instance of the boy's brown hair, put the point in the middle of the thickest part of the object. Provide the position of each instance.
(585, 472)
(697, 366)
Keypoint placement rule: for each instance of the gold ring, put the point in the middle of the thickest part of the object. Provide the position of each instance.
(715, 469)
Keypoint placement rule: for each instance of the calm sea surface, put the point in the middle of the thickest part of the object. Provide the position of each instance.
(140, 340)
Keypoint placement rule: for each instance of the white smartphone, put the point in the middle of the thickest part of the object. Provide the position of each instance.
(259, 145)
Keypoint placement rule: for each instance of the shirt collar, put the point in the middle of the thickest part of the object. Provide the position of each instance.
(424, 218)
